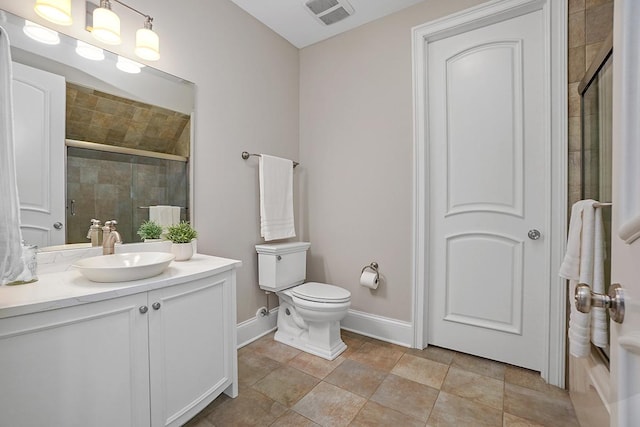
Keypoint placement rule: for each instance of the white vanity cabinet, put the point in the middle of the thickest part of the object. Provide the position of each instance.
(154, 357)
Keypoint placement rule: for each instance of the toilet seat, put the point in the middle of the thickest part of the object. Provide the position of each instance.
(321, 292)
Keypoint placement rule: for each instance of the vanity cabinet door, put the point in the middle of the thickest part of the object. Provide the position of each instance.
(85, 365)
(191, 347)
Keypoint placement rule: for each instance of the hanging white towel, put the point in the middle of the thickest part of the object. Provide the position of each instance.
(164, 215)
(583, 263)
(276, 198)
(12, 267)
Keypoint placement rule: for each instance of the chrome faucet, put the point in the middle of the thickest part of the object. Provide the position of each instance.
(95, 233)
(110, 237)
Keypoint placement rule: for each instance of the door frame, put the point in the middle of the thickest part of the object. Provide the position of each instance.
(555, 294)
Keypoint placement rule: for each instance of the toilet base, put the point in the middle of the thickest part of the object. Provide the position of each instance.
(301, 342)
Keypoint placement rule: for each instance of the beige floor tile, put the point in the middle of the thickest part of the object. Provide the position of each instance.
(530, 379)
(314, 365)
(421, 370)
(486, 367)
(405, 396)
(454, 411)
(329, 405)
(267, 346)
(378, 356)
(437, 354)
(248, 409)
(293, 419)
(509, 420)
(357, 378)
(373, 414)
(475, 387)
(252, 367)
(543, 408)
(286, 385)
(353, 342)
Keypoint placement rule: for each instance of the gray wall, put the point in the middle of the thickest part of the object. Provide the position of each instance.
(343, 107)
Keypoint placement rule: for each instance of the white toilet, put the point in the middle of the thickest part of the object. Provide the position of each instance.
(310, 313)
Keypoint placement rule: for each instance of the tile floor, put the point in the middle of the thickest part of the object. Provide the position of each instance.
(374, 383)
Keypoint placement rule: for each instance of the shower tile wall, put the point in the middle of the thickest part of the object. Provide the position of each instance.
(590, 22)
(114, 186)
(96, 116)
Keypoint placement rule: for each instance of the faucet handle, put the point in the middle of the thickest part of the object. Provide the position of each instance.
(111, 224)
(95, 222)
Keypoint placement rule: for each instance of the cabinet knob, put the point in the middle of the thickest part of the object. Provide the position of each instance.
(144, 309)
(156, 306)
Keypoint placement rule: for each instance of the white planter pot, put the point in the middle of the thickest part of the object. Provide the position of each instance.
(182, 251)
(152, 240)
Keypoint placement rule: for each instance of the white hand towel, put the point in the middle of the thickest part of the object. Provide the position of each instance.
(12, 267)
(583, 260)
(276, 198)
(164, 215)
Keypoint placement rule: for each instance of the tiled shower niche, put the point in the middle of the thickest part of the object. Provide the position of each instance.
(105, 186)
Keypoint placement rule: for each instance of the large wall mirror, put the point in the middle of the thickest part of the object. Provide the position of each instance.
(94, 141)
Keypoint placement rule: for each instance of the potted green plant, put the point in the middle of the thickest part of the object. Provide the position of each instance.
(150, 231)
(181, 236)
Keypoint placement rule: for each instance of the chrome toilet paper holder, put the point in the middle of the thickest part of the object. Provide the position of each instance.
(373, 267)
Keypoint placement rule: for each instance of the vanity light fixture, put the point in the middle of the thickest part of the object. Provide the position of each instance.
(105, 26)
(128, 66)
(56, 11)
(40, 33)
(89, 51)
(147, 42)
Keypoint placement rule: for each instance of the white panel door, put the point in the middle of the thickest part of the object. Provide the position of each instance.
(625, 244)
(39, 117)
(489, 180)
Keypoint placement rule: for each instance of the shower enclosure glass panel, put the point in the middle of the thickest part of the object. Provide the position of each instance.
(106, 186)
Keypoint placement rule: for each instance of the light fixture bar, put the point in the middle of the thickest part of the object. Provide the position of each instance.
(134, 9)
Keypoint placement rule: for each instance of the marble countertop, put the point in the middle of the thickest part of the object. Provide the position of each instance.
(67, 288)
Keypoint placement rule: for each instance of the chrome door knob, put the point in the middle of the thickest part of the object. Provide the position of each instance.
(156, 306)
(614, 300)
(144, 309)
(534, 234)
(57, 225)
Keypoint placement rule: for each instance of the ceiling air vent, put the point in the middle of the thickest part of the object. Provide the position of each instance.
(329, 11)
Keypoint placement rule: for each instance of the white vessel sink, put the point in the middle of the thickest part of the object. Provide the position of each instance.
(124, 267)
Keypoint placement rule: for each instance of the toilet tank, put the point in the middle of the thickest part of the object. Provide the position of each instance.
(282, 265)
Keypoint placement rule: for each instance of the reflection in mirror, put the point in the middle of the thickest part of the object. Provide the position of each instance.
(93, 141)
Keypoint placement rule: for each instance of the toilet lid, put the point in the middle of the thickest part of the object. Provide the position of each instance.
(321, 292)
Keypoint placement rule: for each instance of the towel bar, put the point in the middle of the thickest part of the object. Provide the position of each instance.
(246, 155)
(602, 204)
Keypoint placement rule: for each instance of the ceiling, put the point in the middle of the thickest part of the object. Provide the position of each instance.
(293, 20)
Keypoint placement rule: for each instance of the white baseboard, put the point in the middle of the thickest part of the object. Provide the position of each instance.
(378, 327)
(256, 327)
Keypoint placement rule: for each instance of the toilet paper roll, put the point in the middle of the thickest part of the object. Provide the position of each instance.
(369, 280)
